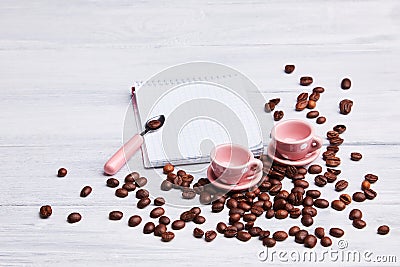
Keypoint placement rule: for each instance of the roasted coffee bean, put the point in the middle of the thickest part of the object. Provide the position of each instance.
(178, 224)
(269, 242)
(298, 176)
(160, 229)
(278, 115)
(332, 162)
(340, 128)
(189, 194)
(221, 227)
(314, 96)
(355, 214)
(199, 219)
(295, 198)
(275, 189)
(196, 210)
(334, 149)
(168, 168)
(332, 134)
(337, 141)
(240, 226)
(355, 156)
(279, 204)
(281, 214)
(257, 210)
(301, 105)
(263, 196)
(255, 231)
(301, 183)
(231, 203)
(321, 120)
(267, 205)
(62, 172)
(86, 191)
(369, 193)
(167, 236)
(334, 171)
(112, 182)
(187, 216)
(345, 106)
(359, 197)
(307, 220)
(306, 80)
(302, 96)
(298, 189)
(321, 203)
(319, 232)
(141, 181)
(45, 211)
(269, 214)
(142, 193)
(219, 198)
(320, 180)
(166, 185)
(264, 234)
(177, 182)
(310, 241)
(230, 232)
(143, 203)
(345, 198)
(319, 90)
(159, 201)
(314, 169)
(309, 211)
(198, 233)
(280, 235)
(345, 84)
(134, 220)
(157, 212)
(181, 173)
(129, 187)
(130, 178)
(289, 68)
(276, 175)
(249, 217)
(269, 106)
(302, 170)
(293, 230)
(205, 198)
(244, 206)
(328, 154)
(365, 185)
(291, 171)
(115, 215)
(247, 226)
(275, 100)
(74, 217)
(336, 232)
(372, 178)
(359, 223)
(326, 241)
(243, 236)
(308, 201)
(236, 211)
(188, 178)
(383, 230)
(313, 193)
(295, 213)
(121, 192)
(338, 205)
(171, 177)
(330, 177)
(300, 236)
(148, 228)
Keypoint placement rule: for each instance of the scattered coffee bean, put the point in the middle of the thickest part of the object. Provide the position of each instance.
(311, 104)
(188, 216)
(359, 197)
(293, 230)
(302, 96)
(199, 219)
(62, 172)
(157, 212)
(121, 192)
(365, 185)
(159, 201)
(141, 181)
(340, 128)
(314, 96)
(115, 215)
(243, 236)
(112, 182)
(310, 241)
(178, 224)
(134, 220)
(281, 214)
(326, 241)
(168, 168)
(149, 228)
(307, 220)
(255, 231)
(301, 105)
(210, 235)
(332, 134)
(308, 201)
(217, 207)
(338, 205)
(341, 185)
(372, 178)
(300, 236)
(280, 235)
(257, 210)
(130, 178)
(289, 68)
(86, 191)
(264, 234)
(195, 210)
(142, 193)
(345, 198)
(198, 233)
(330, 177)
(320, 180)
(333, 162)
(355, 156)
(319, 90)
(337, 141)
(144, 202)
(306, 80)
(328, 154)
(74, 217)
(336, 232)
(230, 232)
(369, 193)
(314, 169)
(345, 106)
(334, 171)
(345, 84)
(313, 193)
(269, 106)
(160, 229)
(359, 223)
(302, 170)
(269, 242)
(45, 211)
(129, 186)
(166, 185)
(221, 227)
(309, 211)
(319, 232)
(278, 115)
(321, 203)
(167, 236)
(383, 230)
(355, 214)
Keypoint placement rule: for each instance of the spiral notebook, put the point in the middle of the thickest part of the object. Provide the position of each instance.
(200, 113)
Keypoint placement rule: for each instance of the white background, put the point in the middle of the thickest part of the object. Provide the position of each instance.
(66, 68)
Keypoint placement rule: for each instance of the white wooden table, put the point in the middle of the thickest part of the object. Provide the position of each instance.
(66, 69)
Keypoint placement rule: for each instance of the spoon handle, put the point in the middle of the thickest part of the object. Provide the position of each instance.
(115, 163)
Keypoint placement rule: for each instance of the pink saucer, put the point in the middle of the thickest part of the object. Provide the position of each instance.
(301, 162)
(240, 186)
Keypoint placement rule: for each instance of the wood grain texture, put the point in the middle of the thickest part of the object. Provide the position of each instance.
(66, 69)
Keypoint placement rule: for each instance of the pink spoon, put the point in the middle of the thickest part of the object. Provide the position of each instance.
(115, 163)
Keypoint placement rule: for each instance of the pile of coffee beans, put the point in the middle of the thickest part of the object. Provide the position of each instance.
(310, 102)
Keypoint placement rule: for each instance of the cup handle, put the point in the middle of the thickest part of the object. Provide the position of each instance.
(254, 166)
(315, 144)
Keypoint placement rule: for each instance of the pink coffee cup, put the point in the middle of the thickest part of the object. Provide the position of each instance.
(294, 139)
(232, 163)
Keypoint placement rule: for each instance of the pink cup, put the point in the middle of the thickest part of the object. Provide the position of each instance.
(232, 164)
(294, 139)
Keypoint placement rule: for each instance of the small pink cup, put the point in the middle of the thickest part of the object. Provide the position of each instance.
(233, 164)
(294, 139)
